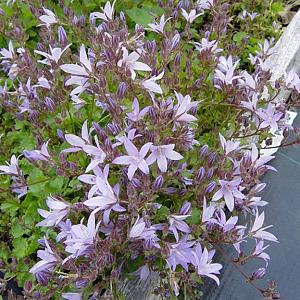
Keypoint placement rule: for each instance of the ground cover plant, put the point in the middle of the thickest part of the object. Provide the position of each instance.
(131, 135)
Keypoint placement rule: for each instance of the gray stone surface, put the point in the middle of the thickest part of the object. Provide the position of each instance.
(283, 194)
(287, 56)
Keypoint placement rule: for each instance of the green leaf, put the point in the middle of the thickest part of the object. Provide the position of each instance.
(238, 37)
(20, 247)
(55, 185)
(163, 213)
(17, 230)
(10, 206)
(139, 16)
(195, 217)
(277, 7)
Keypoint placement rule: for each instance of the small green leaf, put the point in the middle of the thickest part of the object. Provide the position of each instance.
(139, 16)
(10, 206)
(238, 37)
(195, 217)
(17, 230)
(277, 7)
(20, 247)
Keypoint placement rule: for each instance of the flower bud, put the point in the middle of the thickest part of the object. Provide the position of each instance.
(122, 17)
(104, 27)
(200, 174)
(182, 192)
(204, 150)
(211, 158)
(36, 295)
(136, 183)
(28, 285)
(43, 277)
(210, 173)
(210, 187)
(152, 113)
(60, 134)
(258, 274)
(62, 36)
(185, 208)
(177, 59)
(81, 283)
(121, 90)
(158, 183)
(175, 40)
(50, 104)
(139, 29)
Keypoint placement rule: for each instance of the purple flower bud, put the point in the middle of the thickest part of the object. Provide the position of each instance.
(158, 183)
(122, 17)
(258, 274)
(136, 183)
(152, 113)
(36, 295)
(204, 150)
(60, 134)
(177, 59)
(211, 158)
(66, 11)
(185, 208)
(175, 40)
(210, 187)
(210, 173)
(82, 20)
(74, 20)
(171, 190)
(182, 192)
(43, 277)
(28, 285)
(81, 283)
(33, 116)
(175, 15)
(246, 160)
(200, 174)
(2, 12)
(139, 29)
(62, 36)
(105, 28)
(50, 104)
(121, 90)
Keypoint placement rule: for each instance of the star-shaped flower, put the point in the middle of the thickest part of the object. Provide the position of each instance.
(131, 62)
(161, 154)
(135, 158)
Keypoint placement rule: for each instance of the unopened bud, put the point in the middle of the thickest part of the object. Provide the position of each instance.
(136, 183)
(62, 36)
(258, 274)
(210, 173)
(200, 174)
(60, 134)
(121, 90)
(122, 16)
(185, 208)
(158, 183)
(139, 29)
(177, 59)
(204, 150)
(210, 187)
(50, 104)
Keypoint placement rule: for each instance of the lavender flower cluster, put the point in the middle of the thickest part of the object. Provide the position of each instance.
(151, 195)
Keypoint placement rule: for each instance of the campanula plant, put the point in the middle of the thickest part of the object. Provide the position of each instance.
(148, 145)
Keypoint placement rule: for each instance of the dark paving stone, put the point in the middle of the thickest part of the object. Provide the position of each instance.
(283, 211)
